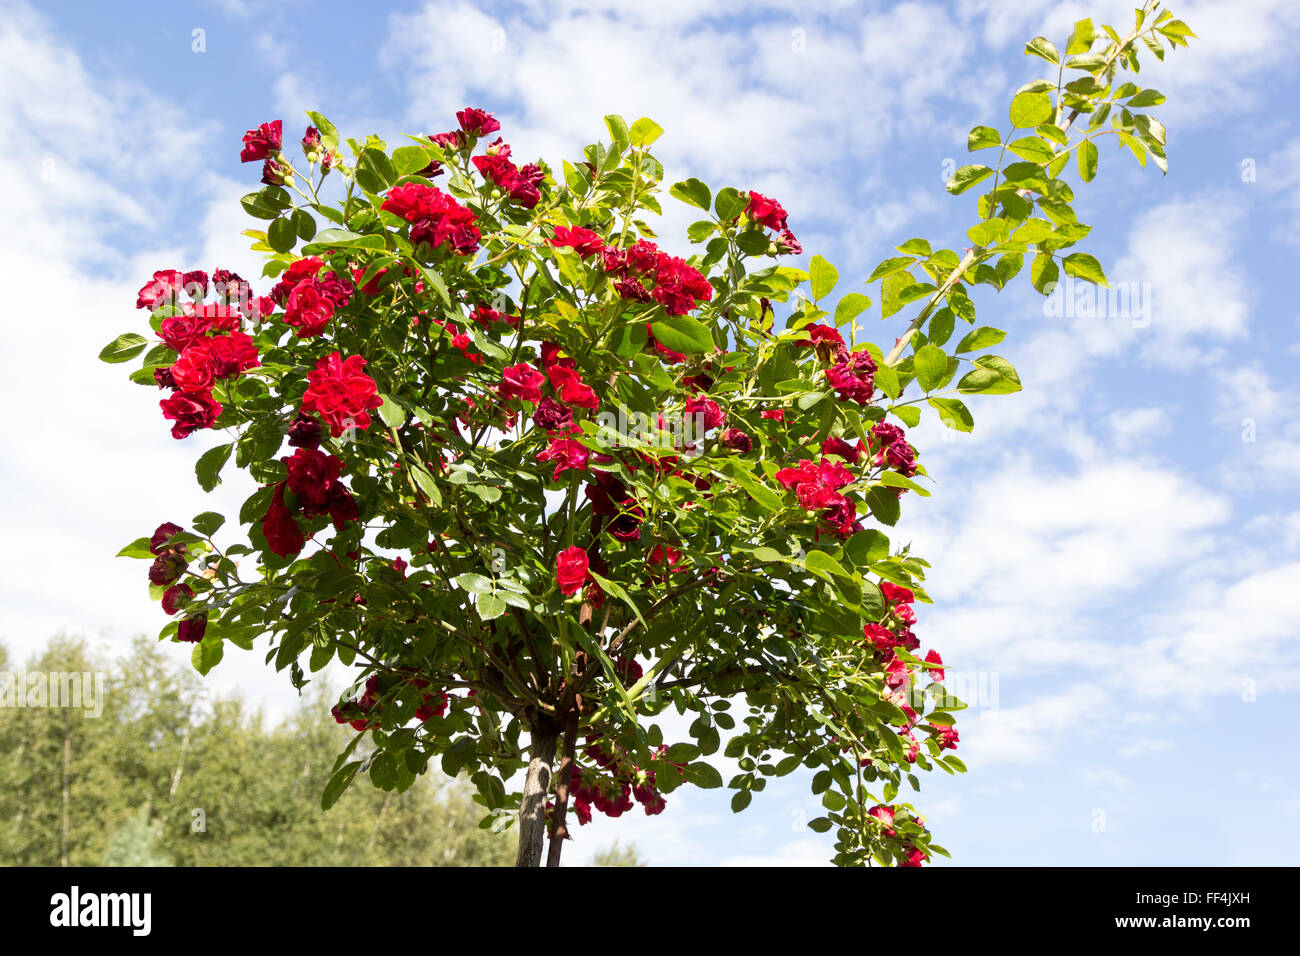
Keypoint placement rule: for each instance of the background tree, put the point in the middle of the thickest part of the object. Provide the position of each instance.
(545, 482)
(616, 854)
(166, 776)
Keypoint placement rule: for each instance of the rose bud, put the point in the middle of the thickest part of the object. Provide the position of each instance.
(737, 440)
(165, 569)
(161, 536)
(176, 597)
(311, 143)
(305, 432)
(276, 174)
(192, 628)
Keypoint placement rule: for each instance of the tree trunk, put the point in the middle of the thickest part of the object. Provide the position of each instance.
(532, 810)
(560, 823)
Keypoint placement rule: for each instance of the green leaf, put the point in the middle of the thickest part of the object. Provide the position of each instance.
(207, 654)
(883, 504)
(890, 266)
(490, 606)
(909, 415)
(123, 348)
(329, 135)
(644, 132)
(409, 160)
(1087, 159)
(208, 468)
(930, 363)
(266, 203)
(701, 230)
(993, 375)
(982, 137)
(139, 548)
(966, 177)
(850, 307)
(982, 338)
(1041, 46)
(1030, 109)
(1033, 149)
(282, 236)
(953, 413)
(821, 561)
(730, 203)
(1043, 273)
(703, 775)
(1147, 98)
(390, 413)
(1081, 38)
(618, 131)
(681, 333)
(344, 238)
(208, 523)
(427, 484)
(304, 224)
(822, 277)
(941, 325)
(1083, 266)
(375, 171)
(338, 783)
(692, 191)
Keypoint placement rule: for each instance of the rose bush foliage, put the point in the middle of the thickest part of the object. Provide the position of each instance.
(546, 482)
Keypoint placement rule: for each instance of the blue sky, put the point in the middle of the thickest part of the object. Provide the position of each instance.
(1118, 546)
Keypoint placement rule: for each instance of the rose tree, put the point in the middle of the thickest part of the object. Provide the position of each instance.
(564, 496)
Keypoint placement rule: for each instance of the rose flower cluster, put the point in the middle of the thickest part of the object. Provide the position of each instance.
(340, 396)
(362, 713)
(207, 338)
(170, 562)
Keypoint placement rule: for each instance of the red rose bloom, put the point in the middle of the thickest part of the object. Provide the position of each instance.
(434, 216)
(582, 241)
(190, 412)
(232, 354)
(571, 570)
(312, 474)
(567, 454)
(341, 393)
(895, 594)
(476, 122)
(305, 432)
(165, 286)
(179, 332)
(521, 381)
(160, 537)
(283, 535)
(194, 372)
(880, 637)
(166, 568)
(261, 143)
(570, 387)
(192, 628)
(934, 658)
(551, 415)
(838, 446)
(737, 440)
(176, 597)
(886, 816)
(709, 411)
(307, 309)
(766, 211)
